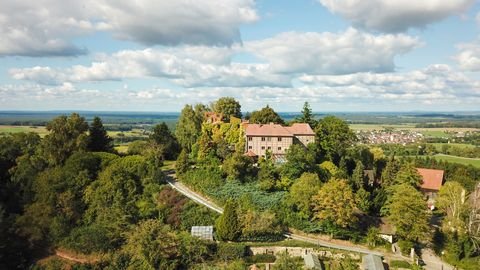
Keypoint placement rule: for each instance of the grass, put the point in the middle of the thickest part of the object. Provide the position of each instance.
(454, 159)
(399, 264)
(438, 146)
(434, 134)
(123, 148)
(42, 131)
(168, 165)
(284, 243)
(459, 160)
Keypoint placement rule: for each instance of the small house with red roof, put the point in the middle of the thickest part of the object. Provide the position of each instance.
(276, 138)
(432, 182)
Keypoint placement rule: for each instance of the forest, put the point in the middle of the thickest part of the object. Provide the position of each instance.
(71, 191)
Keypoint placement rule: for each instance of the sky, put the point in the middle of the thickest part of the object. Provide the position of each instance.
(158, 55)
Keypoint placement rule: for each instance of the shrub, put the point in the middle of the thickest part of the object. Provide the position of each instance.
(399, 264)
(88, 239)
(405, 246)
(231, 251)
(260, 258)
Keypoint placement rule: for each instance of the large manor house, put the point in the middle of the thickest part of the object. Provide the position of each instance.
(272, 138)
(276, 138)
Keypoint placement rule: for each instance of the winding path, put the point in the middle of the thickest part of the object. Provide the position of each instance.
(171, 180)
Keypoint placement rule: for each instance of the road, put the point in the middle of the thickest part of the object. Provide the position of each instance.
(171, 180)
(432, 262)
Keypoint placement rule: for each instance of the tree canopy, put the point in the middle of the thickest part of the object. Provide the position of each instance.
(408, 213)
(335, 202)
(189, 127)
(265, 116)
(334, 136)
(98, 139)
(227, 106)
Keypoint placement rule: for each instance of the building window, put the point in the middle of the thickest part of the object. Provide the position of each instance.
(279, 148)
(269, 148)
(249, 138)
(279, 139)
(250, 147)
(263, 139)
(269, 139)
(263, 147)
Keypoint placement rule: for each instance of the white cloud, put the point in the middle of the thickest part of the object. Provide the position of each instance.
(395, 16)
(47, 27)
(187, 66)
(436, 87)
(332, 53)
(433, 84)
(469, 56)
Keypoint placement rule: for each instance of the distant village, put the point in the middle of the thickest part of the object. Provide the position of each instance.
(389, 136)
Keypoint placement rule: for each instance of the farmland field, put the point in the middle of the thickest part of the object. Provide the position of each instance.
(42, 131)
(475, 162)
(461, 160)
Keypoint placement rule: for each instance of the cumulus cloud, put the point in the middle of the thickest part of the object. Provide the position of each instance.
(332, 53)
(433, 84)
(436, 87)
(395, 16)
(186, 66)
(283, 57)
(469, 56)
(47, 27)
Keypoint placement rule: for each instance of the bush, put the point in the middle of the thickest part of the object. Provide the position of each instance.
(260, 258)
(88, 239)
(231, 251)
(405, 246)
(399, 264)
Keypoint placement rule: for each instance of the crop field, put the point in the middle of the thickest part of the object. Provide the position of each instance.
(42, 131)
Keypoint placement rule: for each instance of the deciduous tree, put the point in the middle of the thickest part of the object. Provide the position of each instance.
(227, 106)
(333, 137)
(302, 191)
(451, 200)
(189, 127)
(265, 116)
(335, 202)
(409, 213)
(67, 134)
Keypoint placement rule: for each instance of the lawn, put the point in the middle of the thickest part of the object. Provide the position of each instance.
(438, 146)
(454, 159)
(460, 160)
(41, 130)
(123, 148)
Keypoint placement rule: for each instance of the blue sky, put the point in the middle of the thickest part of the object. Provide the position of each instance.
(147, 55)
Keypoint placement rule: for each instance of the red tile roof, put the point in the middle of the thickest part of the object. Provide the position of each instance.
(267, 130)
(250, 153)
(301, 129)
(432, 179)
(278, 130)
